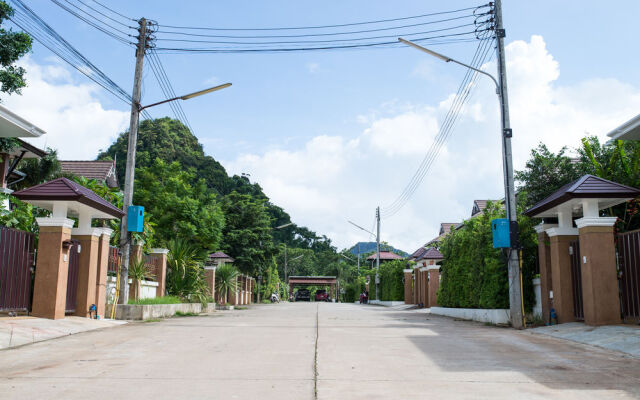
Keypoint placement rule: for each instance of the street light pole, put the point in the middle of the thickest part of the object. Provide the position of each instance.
(513, 264)
(378, 254)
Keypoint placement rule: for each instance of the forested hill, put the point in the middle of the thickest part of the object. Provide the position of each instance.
(189, 194)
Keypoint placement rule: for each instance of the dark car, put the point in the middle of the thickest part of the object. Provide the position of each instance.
(322, 295)
(303, 295)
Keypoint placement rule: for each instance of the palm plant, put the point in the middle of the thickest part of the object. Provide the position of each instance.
(138, 271)
(226, 280)
(185, 275)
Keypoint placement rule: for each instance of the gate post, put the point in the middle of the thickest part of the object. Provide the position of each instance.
(598, 262)
(52, 267)
(433, 276)
(88, 239)
(408, 294)
(161, 272)
(544, 259)
(101, 272)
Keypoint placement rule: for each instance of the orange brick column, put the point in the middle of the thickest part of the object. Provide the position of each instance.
(408, 286)
(544, 260)
(87, 270)
(52, 267)
(599, 277)
(101, 271)
(210, 278)
(559, 239)
(433, 276)
(424, 287)
(161, 271)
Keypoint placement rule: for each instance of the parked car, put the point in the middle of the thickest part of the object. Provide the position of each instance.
(322, 295)
(303, 295)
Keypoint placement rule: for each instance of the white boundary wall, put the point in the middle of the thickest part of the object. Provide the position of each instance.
(499, 316)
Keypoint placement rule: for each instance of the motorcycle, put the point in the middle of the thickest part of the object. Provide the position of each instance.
(275, 298)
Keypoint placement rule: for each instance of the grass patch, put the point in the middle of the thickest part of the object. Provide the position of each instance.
(153, 320)
(240, 308)
(185, 314)
(157, 300)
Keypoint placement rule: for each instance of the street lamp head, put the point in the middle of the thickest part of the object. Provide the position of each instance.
(431, 52)
(205, 91)
(283, 226)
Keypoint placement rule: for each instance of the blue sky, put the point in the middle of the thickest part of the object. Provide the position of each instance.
(337, 114)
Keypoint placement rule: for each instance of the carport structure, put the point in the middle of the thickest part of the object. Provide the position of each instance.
(304, 281)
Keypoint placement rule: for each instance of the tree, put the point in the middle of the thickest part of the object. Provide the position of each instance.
(247, 232)
(13, 45)
(226, 281)
(180, 209)
(185, 275)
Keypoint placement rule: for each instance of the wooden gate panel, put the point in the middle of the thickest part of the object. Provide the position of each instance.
(16, 258)
(72, 277)
(576, 277)
(629, 264)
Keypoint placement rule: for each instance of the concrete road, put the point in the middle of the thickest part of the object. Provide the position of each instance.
(309, 351)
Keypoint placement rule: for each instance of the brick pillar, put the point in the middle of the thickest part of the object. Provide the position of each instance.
(433, 276)
(408, 295)
(599, 276)
(161, 272)
(210, 278)
(416, 273)
(561, 272)
(87, 269)
(101, 271)
(544, 260)
(233, 295)
(425, 286)
(50, 286)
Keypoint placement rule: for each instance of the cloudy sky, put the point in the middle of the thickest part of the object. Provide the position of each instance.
(332, 135)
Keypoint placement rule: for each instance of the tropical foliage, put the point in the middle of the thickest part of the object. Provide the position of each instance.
(14, 46)
(226, 281)
(185, 275)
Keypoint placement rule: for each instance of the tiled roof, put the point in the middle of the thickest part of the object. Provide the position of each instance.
(385, 255)
(101, 170)
(220, 255)
(431, 254)
(417, 254)
(479, 206)
(62, 189)
(587, 186)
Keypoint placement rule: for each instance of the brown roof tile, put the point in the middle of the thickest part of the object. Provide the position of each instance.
(101, 170)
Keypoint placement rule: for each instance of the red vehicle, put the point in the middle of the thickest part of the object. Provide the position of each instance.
(322, 295)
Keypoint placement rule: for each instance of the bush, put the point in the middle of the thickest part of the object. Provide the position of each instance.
(185, 275)
(474, 274)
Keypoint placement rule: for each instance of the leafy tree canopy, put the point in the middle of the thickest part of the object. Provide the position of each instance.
(13, 45)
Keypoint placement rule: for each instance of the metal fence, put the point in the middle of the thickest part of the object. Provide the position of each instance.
(114, 259)
(151, 261)
(629, 264)
(17, 256)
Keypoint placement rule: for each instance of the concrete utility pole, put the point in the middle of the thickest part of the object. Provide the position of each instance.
(125, 243)
(378, 253)
(358, 258)
(286, 267)
(515, 289)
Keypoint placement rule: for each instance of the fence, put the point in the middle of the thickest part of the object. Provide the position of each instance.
(17, 256)
(151, 261)
(114, 259)
(629, 263)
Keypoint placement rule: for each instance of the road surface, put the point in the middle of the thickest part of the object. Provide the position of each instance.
(314, 351)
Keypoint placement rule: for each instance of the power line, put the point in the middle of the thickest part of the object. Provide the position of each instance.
(114, 11)
(446, 128)
(325, 26)
(112, 33)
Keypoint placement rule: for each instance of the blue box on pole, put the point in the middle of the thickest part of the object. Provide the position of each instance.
(501, 233)
(135, 219)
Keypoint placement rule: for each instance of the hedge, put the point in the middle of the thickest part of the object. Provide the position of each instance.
(474, 274)
(391, 285)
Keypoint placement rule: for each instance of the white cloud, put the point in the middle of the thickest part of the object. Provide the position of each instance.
(332, 179)
(313, 67)
(77, 125)
(214, 80)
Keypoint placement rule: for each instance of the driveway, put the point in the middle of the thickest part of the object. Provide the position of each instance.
(311, 350)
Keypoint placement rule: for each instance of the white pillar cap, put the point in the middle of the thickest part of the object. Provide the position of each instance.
(159, 251)
(562, 231)
(595, 221)
(51, 221)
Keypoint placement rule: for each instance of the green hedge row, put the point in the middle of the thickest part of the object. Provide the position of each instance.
(474, 274)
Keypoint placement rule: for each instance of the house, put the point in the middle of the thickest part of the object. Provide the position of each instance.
(384, 256)
(103, 171)
(219, 258)
(630, 130)
(14, 126)
(445, 228)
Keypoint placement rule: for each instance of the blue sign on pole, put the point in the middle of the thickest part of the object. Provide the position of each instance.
(501, 233)
(135, 219)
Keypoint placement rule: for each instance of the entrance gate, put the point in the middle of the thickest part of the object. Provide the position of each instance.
(576, 278)
(16, 258)
(72, 277)
(629, 264)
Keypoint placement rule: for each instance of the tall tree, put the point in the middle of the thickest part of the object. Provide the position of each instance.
(247, 233)
(13, 45)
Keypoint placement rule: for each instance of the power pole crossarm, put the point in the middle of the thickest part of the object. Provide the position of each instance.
(129, 176)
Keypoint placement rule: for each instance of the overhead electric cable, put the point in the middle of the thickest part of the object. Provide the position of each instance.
(112, 33)
(114, 11)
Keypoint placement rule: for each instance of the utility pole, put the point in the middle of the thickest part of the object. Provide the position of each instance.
(378, 253)
(358, 258)
(515, 289)
(125, 244)
(286, 269)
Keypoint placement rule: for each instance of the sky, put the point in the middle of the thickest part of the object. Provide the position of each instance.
(332, 135)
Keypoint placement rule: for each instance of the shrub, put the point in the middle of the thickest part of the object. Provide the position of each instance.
(185, 275)
(226, 281)
(157, 300)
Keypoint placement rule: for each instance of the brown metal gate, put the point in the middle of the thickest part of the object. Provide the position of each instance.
(576, 278)
(72, 277)
(629, 264)
(16, 259)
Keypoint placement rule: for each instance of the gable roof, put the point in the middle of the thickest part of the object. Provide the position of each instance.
(587, 186)
(630, 130)
(385, 255)
(431, 254)
(62, 189)
(218, 255)
(417, 254)
(478, 206)
(104, 171)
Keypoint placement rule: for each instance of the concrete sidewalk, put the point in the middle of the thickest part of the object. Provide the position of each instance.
(17, 331)
(623, 338)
